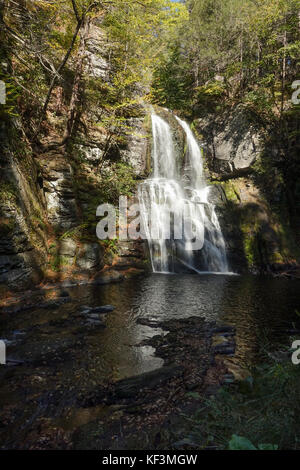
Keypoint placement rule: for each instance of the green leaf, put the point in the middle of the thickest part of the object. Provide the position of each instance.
(192, 394)
(267, 446)
(240, 443)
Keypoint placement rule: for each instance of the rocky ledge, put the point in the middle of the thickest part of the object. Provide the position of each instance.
(153, 404)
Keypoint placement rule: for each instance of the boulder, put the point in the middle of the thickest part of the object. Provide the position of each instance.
(232, 140)
(67, 247)
(90, 256)
(130, 387)
(96, 310)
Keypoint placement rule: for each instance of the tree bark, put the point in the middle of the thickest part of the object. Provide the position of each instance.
(283, 81)
(79, 67)
(58, 71)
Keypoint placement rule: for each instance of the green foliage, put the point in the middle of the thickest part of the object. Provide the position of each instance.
(117, 180)
(192, 395)
(75, 233)
(111, 245)
(259, 413)
(252, 48)
(171, 81)
(242, 443)
(12, 92)
(8, 193)
(57, 262)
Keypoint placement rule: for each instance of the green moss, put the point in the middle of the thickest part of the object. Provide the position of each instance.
(75, 233)
(289, 247)
(53, 248)
(266, 240)
(8, 193)
(231, 191)
(13, 91)
(249, 252)
(39, 222)
(7, 226)
(57, 262)
(111, 245)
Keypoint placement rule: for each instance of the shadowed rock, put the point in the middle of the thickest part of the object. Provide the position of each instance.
(130, 387)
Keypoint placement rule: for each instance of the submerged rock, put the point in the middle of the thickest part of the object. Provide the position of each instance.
(95, 322)
(101, 309)
(227, 349)
(64, 293)
(128, 388)
(49, 304)
(109, 276)
(224, 330)
(94, 316)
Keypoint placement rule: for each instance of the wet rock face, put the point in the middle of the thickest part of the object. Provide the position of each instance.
(131, 254)
(23, 248)
(19, 271)
(90, 256)
(133, 151)
(255, 236)
(84, 256)
(97, 54)
(136, 152)
(231, 141)
(47, 198)
(58, 189)
(68, 248)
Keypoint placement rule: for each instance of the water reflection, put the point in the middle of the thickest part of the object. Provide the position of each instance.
(257, 307)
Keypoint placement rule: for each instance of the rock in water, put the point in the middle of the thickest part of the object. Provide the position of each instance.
(85, 310)
(130, 387)
(102, 309)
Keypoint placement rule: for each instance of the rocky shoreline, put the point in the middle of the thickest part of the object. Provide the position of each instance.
(17, 301)
(116, 414)
(150, 407)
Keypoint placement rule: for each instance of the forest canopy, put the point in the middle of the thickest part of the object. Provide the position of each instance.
(193, 56)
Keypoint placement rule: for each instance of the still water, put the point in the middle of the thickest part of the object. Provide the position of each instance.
(260, 308)
(65, 358)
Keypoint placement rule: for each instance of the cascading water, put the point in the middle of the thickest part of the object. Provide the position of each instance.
(172, 195)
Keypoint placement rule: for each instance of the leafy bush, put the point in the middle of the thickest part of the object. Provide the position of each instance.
(265, 408)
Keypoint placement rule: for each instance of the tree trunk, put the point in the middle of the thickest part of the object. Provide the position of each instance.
(283, 81)
(53, 81)
(79, 68)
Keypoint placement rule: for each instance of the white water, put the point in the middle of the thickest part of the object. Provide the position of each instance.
(178, 188)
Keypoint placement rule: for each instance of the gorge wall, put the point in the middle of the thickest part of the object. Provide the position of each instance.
(49, 193)
(259, 226)
(48, 208)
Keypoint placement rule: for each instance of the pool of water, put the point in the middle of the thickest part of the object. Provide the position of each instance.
(257, 306)
(62, 355)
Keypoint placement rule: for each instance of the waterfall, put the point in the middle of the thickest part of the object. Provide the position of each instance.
(175, 196)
